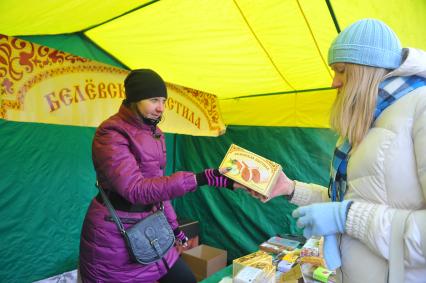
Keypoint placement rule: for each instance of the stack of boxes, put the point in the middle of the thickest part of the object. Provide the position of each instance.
(281, 260)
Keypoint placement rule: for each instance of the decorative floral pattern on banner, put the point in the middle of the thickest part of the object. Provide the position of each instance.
(205, 102)
(42, 84)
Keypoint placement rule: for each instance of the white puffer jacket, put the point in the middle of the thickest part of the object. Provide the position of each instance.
(386, 175)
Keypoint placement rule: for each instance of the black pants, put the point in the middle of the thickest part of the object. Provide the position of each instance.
(179, 273)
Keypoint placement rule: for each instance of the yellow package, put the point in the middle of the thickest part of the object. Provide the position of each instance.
(254, 267)
(312, 252)
(250, 169)
(292, 256)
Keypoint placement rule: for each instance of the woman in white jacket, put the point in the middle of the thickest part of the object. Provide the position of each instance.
(378, 175)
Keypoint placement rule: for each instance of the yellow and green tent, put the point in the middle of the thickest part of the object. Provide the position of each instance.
(266, 61)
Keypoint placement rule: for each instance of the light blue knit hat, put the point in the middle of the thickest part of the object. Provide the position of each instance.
(367, 42)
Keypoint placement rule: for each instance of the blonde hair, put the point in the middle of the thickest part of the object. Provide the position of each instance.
(353, 110)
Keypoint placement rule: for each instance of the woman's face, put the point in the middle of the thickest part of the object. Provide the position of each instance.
(339, 78)
(152, 108)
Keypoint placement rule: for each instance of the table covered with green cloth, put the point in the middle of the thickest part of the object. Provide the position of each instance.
(216, 277)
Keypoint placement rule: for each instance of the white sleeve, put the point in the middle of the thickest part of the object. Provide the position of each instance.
(305, 194)
(371, 223)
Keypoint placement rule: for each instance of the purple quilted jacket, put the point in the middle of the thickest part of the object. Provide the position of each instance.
(129, 160)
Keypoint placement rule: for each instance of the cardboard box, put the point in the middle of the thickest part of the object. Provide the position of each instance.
(192, 243)
(191, 228)
(204, 260)
(250, 169)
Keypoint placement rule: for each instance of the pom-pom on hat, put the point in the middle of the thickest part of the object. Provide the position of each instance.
(367, 42)
(142, 84)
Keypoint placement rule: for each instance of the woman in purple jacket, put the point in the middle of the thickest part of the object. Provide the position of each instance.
(129, 155)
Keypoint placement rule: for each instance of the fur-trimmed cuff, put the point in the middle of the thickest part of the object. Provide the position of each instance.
(358, 219)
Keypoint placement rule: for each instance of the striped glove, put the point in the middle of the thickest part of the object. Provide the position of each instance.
(213, 178)
(180, 237)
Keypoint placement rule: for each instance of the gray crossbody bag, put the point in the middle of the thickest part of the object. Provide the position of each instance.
(149, 239)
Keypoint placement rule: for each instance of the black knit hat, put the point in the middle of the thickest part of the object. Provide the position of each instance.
(142, 84)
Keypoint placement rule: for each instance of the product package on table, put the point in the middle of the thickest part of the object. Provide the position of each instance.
(255, 268)
(284, 260)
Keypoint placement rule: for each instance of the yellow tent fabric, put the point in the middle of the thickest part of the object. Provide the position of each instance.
(234, 49)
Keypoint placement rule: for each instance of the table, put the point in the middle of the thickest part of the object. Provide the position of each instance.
(216, 277)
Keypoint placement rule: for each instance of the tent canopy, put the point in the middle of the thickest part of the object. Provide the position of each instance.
(265, 60)
(233, 49)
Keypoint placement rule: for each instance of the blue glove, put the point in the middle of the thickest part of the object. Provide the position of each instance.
(322, 219)
(332, 252)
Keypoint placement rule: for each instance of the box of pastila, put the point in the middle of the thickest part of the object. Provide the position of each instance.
(251, 170)
(256, 267)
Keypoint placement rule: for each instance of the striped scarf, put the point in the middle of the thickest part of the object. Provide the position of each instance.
(390, 90)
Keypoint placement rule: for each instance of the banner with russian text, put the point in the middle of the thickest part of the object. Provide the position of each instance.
(45, 85)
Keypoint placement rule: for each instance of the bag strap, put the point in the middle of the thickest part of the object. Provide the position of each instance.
(111, 210)
(153, 240)
(396, 252)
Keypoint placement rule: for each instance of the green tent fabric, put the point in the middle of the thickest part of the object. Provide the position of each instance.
(234, 220)
(46, 186)
(48, 182)
(251, 54)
